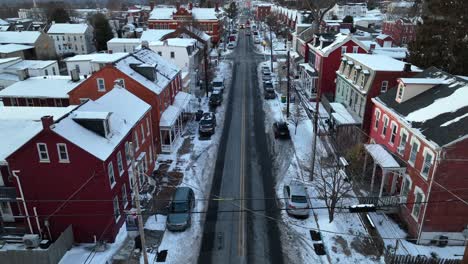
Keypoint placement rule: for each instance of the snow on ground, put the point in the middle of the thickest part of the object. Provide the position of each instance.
(198, 167)
(341, 237)
(84, 254)
(278, 44)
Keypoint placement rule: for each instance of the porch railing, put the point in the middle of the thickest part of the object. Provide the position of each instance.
(387, 202)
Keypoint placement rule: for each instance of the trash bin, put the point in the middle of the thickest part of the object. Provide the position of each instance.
(198, 115)
(283, 99)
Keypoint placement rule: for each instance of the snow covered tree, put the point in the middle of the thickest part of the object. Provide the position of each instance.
(332, 184)
(318, 9)
(231, 11)
(298, 115)
(102, 30)
(441, 39)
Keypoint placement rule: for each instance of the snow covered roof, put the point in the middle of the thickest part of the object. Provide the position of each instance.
(125, 40)
(182, 99)
(382, 157)
(377, 62)
(434, 81)
(41, 87)
(155, 34)
(204, 13)
(341, 115)
(334, 42)
(162, 13)
(6, 60)
(440, 113)
(9, 48)
(99, 57)
(20, 124)
(166, 13)
(178, 42)
(117, 102)
(382, 36)
(165, 70)
(65, 28)
(169, 116)
(31, 64)
(3, 22)
(16, 37)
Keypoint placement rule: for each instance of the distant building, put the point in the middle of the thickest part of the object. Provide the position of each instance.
(208, 20)
(75, 152)
(42, 45)
(123, 44)
(90, 63)
(348, 9)
(402, 30)
(262, 11)
(418, 143)
(72, 38)
(15, 69)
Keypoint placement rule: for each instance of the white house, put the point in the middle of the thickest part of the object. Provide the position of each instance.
(16, 69)
(181, 52)
(123, 44)
(72, 38)
(348, 9)
(89, 63)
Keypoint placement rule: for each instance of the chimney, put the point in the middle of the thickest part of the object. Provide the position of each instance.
(407, 67)
(75, 75)
(47, 121)
(371, 48)
(151, 5)
(217, 7)
(190, 6)
(177, 6)
(109, 51)
(145, 44)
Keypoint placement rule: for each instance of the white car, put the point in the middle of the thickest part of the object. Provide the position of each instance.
(296, 200)
(257, 41)
(231, 45)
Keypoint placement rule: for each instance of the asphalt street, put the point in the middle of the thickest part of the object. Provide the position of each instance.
(243, 177)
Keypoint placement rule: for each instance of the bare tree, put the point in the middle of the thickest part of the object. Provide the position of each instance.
(318, 9)
(298, 115)
(332, 184)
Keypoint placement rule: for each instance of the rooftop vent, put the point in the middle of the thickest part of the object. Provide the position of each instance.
(97, 122)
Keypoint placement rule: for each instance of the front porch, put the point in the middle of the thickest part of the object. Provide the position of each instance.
(386, 178)
(173, 121)
(308, 80)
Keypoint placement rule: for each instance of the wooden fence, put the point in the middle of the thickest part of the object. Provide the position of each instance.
(408, 259)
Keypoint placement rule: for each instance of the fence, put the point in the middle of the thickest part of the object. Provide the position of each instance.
(408, 259)
(51, 255)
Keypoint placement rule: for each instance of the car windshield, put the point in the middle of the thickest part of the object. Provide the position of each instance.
(298, 199)
(217, 84)
(205, 122)
(179, 207)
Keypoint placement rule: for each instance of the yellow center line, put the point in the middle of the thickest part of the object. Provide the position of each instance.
(241, 242)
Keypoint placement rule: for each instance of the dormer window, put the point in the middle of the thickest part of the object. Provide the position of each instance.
(362, 80)
(98, 122)
(355, 74)
(400, 91)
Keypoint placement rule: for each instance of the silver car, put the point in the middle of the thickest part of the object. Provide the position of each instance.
(296, 200)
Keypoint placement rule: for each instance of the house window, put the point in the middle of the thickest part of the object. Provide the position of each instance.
(46, 72)
(43, 153)
(77, 68)
(404, 139)
(127, 152)
(58, 102)
(135, 135)
(355, 49)
(116, 208)
(355, 74)
(82, 48)
(151, 153)
(384, 86)
(110, 171)
(400, 92)
(59, 47)
(74, 38)
(124, 195)
(68, 38)
(120, 163)
(394, 133)
(406, 187)
(362, 81)
(172, 55)
(121, 82)
(147, 126)
(54, 72)
(30, 101)
(62, 152)
(101, 85)
(414, 152)
(142, 133)
(63, 38)
(427, 163)
(418, 200)
(385, 125)
(343, 49)
(57, 37)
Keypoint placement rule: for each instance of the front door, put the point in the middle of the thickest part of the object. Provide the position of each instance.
(6, 212)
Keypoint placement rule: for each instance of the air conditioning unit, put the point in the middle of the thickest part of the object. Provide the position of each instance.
(31, 241)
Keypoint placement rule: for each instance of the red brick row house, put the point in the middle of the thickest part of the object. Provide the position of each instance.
(422, 127)
(143, 73)
(40, 91)
(402, 30)
(73, 166)
(209, 20)
(262, 11)
(286, 16)
(323, 58)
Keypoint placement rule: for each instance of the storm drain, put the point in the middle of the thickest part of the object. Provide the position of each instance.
(319, 249)
(162, 255)
(315, 235)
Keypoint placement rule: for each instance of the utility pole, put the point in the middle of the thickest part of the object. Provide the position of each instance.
(314, 143)
(136, 191)
(288, 88)
(206, 68)
(465, 256)
(271, 50)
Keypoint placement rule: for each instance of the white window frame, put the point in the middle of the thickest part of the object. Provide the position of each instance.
(67, 160)
(142, 128)
(151, 153)
(400, 91)
(98, 81)
(377, 119)
(382, 85)
(120, 165)
(402, 147)
(148, 127)
(386, 120)
(414, 140)
(116, 208)
(407, 177)
(14, 101)
(39, 152)
(128, 155)
(58, 102)
(29, 102)
(124, 195)
(415, 203)
(426, 151)
(343, 50)
(393, 132)
(355, 49)
(111, 174)
(135, 138)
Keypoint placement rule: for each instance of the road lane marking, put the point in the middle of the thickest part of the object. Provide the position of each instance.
(241, 242)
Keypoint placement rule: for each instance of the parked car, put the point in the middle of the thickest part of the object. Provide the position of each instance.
(257, 40)
(267, 85)
(180, 209)
(296, 200)
(247, 33)
(218, 84)
(207, 124)
(216, 98)
(231, 45)
(281, 130)
(266, 76)
(265, 69)
(269, 93)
